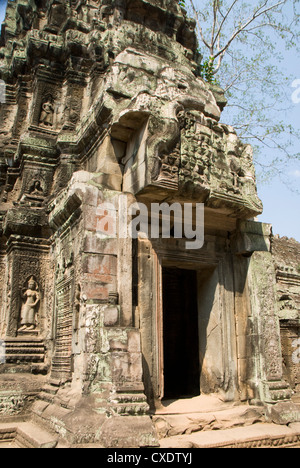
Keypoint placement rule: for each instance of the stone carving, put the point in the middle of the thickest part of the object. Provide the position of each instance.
(205, 154)
(36, 188)
(29, 309)
(287, 259)
(47, 112)
(67, 304)
(272, 343)
(113, 298)
(34, 197)
(12, 404)
(85, 14)
(169, 171)
(112, 311)
(77, 306)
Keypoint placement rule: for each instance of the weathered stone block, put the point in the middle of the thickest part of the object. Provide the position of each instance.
(111, 316)
(129, 432)
(94, 244)
(283, 413)
(252, 236)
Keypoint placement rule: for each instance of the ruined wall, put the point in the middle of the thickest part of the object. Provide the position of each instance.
(286, 255)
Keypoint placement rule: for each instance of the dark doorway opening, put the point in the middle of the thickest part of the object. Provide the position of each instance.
(180, 334)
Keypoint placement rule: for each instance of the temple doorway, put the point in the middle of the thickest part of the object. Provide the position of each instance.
(181, 367)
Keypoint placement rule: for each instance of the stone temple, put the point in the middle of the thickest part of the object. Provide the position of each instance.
(102, 334)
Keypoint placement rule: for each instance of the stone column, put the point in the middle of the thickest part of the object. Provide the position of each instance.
(124, 263)
(261, 282)
(252, 243)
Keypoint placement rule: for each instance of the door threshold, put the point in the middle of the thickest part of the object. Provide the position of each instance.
(198, 404)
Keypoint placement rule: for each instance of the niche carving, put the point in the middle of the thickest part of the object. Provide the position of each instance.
(30, 306)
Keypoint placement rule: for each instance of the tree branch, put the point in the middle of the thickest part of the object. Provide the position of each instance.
(255, 15)
(223, 21)
(199, 25)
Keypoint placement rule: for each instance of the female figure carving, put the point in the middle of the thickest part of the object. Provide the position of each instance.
(31, 297)
(47, 113)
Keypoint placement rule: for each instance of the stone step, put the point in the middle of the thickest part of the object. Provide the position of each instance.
(9, 445)
(23, 345)
(7, 433)
(50, 389)
(24, 358)
(45, 396)
(27, 435)
(27, 349)
(55, 382)
(23, 339)
(261, 435)
(168, 425)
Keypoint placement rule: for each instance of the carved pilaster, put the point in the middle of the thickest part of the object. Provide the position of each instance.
(268, 370)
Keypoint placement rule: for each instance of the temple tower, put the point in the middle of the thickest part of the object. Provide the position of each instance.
(105, 109)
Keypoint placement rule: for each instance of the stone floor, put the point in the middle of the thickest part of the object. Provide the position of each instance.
(202, 403)
(201, 422)
(26, 435)
(203, 413)
(9, 445)
(261, 435)
(207, 422)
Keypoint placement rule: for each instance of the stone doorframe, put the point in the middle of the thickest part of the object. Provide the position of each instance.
(216, 306)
